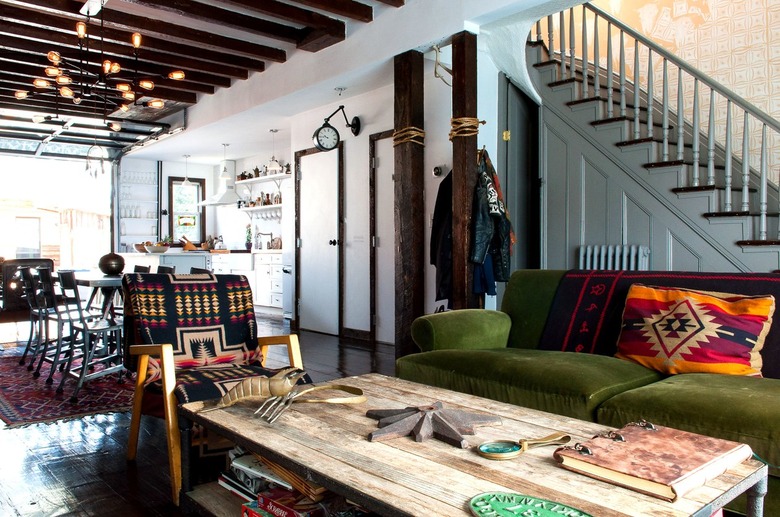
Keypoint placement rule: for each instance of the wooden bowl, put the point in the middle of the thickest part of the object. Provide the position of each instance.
(140, 247)
(156, 249)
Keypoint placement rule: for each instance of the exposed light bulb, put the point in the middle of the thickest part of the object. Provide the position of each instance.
(106, 66)
(81, 30)
(130, 96)
(146, 84)
(115, 68)
(176, 75)
(54, 57)
(63, 80)
(52, 71)
(20, 94)
(115, 126)
(66, 92)
(76, 100)
(136, 39)
(124, 107)
(124, 87)
(41, 83)
(156, 103)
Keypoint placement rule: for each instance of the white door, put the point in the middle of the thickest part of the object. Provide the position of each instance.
(385, 242)
(319, 254)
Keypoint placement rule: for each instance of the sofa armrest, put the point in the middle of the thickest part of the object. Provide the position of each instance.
(461, 329)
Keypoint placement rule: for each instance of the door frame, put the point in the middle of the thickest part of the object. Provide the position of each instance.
(372, 164)
(295, 324)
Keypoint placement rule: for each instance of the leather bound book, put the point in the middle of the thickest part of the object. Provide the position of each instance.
(659, 461)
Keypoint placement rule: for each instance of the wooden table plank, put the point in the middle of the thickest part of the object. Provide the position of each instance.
(327, 444)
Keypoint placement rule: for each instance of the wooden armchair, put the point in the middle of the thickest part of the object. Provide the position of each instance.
(190, 338)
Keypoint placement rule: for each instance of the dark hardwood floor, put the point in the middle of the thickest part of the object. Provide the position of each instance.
(78, 467)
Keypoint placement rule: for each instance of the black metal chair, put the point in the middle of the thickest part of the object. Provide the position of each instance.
(168, 270)
(142, 269)
(199, 271)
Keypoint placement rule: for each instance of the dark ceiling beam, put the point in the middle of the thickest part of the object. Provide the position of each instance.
(393, 3)
(161, 29)
(67, 25)
(23, 37)
(320, 32)
(346, 8)
(225, 18)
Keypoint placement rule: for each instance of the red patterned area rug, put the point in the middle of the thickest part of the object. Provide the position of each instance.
(25, 400)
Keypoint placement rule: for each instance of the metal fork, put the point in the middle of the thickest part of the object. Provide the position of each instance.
(273, 407)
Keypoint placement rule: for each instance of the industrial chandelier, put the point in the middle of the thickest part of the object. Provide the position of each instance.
(77, 79)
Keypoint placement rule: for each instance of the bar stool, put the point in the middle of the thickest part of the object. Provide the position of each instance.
(142, 269)
(101, 345)
(38, 331)
(63, 316)
(166, 269)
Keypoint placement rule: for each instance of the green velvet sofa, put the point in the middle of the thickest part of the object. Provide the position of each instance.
(503, 355)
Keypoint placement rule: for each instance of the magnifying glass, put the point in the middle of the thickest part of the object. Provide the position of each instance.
(508, 449)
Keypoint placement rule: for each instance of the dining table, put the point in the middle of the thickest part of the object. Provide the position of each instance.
(106, 290)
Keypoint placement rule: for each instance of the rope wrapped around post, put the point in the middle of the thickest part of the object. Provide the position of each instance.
(409, 134)
(464, 126)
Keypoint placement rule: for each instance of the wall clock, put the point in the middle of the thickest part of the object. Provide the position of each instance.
(327, 138)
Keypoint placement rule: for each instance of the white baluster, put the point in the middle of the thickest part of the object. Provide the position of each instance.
(562, 31)
(550, 37)
(680, 117)
(745, 164)
(572, 43)
(610, 80)
(665, 110)
(650, 98)
(711, 141)
(727, 171)
(695, 145)
(636, 90)
(763, 194)
(622, 74)
(596, 58)
(584, 94)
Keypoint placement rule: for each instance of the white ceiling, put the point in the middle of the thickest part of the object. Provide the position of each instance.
(243, 114)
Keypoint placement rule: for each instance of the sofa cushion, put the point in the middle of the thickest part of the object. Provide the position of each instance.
(559, 382)
(675, 330)
(732, 407)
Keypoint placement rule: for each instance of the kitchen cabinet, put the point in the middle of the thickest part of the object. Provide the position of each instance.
(137, 208)
(268, 278)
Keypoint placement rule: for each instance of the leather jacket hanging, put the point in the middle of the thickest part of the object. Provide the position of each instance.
(491, 228)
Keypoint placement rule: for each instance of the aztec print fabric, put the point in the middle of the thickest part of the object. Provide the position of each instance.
(587, 310)
(209, 319)
(684, 331)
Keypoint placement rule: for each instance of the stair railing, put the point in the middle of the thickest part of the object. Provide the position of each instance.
(638, 92)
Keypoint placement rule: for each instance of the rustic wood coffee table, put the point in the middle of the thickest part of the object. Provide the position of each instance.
(327, 444)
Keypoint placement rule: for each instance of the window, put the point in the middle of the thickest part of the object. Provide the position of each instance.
(28, 237)
(186, 217)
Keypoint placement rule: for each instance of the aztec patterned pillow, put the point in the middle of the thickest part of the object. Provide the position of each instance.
(674, 330)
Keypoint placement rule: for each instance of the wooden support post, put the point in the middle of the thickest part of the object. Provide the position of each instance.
(464, 168)
(409, 201)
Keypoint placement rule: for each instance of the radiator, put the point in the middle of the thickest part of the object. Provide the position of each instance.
(629, 257)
